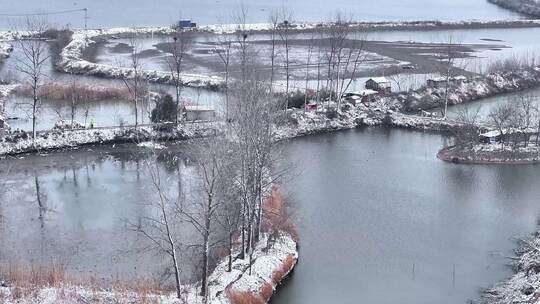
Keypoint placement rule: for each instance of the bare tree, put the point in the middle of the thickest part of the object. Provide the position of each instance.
(180, 46)
(284, 31)
(342, 55)
(213, 157)
(468, 132)
(308, 63)
(32, 62)
(274, 21)
(161, 225)
(527, 112)
(502, 117)
(225, 56)
(230, 217)
(448, 57)
(134, 79)
(255, 112)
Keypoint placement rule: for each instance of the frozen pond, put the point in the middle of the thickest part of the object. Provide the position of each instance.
(164, 12)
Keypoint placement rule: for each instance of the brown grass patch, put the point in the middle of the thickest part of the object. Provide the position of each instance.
(78, 92)
(279, 274)
(22, 276)
(266, 292)
(27, 281)
(276, 216)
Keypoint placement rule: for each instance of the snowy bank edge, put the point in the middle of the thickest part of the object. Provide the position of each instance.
(266, 262)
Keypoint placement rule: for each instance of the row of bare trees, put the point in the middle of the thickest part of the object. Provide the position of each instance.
(233, 178)
(331, 56)
(516, 122)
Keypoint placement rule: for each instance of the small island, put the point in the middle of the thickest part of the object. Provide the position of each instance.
(507, 136)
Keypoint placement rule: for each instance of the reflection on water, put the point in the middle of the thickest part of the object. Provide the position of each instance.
(381, 219)
(72, 209)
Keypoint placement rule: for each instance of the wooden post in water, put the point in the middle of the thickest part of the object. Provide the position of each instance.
(454, 274)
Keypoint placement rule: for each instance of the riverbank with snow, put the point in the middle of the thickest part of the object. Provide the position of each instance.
(274, 257)
(526, 7)
(21, 142)
(72, 60)
(491, 154)
(470, 89)
(524, 286)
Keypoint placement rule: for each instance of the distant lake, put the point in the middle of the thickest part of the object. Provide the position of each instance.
(163, 12)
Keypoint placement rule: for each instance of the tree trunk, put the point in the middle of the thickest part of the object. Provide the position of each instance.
(230, 251)
(34, 109)
(206, 240)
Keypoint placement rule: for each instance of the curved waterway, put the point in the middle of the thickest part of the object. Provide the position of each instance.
(381, 219)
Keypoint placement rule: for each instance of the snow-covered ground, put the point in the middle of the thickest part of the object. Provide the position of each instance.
(269, 258)
(5, 50)
(491, 154)
(72, 60)
(5, 90)
(15, 142)
(471, 89)
(524, 286)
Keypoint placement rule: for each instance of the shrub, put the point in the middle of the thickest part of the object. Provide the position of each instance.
(165, 110)
(266, 291)
(283, 270)
(276, 216)
(296, 100)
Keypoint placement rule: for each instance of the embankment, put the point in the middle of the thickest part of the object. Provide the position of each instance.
(470, 89)
(490, 154)
(21, 142)
(526, 7)
(524, 286)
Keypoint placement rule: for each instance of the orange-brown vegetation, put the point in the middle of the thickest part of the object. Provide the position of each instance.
(77, 92)
(276, 216)
(266, 292)
(280, 273)
(237, 297)
(28, 280)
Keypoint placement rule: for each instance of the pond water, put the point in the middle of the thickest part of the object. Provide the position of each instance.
(383, 221)
(109, 112)
(164, 12)
(75, 209)
(485, 106)
(380, 218)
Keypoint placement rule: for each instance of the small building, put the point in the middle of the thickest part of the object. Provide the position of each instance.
(439, 82)
(311, 107)
(186, 24)
(194, 113)
(495, 136)
(364, 96)
(491, 137)
(379, 84)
